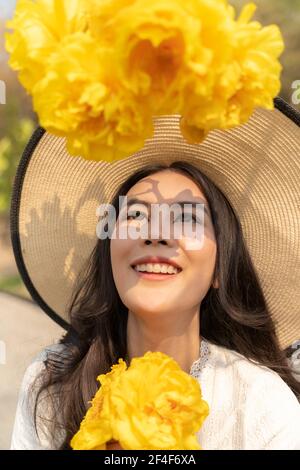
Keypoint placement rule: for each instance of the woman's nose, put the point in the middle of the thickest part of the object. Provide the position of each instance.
(148, 242)
(159, 229)
(156, 233)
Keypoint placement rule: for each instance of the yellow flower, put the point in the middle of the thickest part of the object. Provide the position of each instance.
(260, 71)
(96, 429)
(39, 26)
(77, 99)
(151, 405)
(99, 71)
(69, 74)
(164, 48)
(251, 79)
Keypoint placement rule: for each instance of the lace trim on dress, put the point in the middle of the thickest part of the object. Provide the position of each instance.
(200, 363)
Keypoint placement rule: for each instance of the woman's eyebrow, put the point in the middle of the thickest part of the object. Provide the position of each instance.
(135, 200)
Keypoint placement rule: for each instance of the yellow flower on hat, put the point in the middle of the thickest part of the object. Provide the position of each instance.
(99, 71)
(153, 404)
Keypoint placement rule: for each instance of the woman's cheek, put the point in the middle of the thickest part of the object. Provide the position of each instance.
(202, 265)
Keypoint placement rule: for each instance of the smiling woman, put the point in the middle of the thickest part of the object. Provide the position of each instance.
(167, 103)
(163, 308)
(208, 310)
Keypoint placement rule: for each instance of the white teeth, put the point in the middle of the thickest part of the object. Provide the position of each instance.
(157, 268)
(149, 268)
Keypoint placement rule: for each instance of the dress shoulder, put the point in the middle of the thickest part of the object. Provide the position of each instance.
(24, 435)
(265, 413)
(249, 371)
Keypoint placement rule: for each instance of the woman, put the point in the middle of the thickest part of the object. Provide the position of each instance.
(196, 60)
(214, 304)
(211, 313)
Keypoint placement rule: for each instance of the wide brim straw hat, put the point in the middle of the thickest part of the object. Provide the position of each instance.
(256, 165)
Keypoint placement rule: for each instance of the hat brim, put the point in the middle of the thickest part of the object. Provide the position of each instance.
(256, 165)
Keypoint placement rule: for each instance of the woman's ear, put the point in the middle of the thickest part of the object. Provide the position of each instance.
(215, 284)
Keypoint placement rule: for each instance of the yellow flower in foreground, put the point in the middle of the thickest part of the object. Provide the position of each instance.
(153, 404)
(95, 429)
(99, 71)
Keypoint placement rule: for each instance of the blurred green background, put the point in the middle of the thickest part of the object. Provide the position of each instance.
(17, 122)
(17, 119)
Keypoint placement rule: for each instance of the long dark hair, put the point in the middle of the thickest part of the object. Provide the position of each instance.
(235, 315)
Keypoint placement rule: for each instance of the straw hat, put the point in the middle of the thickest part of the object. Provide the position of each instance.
(256, 165)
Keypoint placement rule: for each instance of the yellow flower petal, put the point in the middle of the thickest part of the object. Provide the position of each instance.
(165, 415)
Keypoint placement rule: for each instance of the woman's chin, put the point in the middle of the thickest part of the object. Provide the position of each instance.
(156, 309)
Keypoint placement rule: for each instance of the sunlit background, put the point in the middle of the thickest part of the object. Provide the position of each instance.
(17, 122)
(24, 328)
(7, 8)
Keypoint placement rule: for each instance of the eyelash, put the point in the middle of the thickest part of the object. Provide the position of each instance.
(129, 215)
(195, 219)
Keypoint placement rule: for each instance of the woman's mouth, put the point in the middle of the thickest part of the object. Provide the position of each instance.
(156, 271)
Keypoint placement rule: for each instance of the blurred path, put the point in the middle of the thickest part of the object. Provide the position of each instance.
(24, 331)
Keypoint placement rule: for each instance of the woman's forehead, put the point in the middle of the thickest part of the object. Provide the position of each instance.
(167, 186)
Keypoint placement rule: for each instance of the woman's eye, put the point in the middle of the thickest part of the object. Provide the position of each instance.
(187, 218)
(137, 215)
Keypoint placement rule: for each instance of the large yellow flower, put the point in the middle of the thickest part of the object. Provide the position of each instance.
(151, 405)
(99, 71)
(192, 58)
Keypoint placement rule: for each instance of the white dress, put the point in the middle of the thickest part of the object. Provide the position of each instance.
(251, 407)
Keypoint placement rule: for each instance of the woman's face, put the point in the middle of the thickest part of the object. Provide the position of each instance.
(159, 294)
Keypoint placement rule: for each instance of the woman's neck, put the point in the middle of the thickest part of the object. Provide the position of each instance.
(178, 336)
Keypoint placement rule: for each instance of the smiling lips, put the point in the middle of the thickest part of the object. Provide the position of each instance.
(156, 268)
